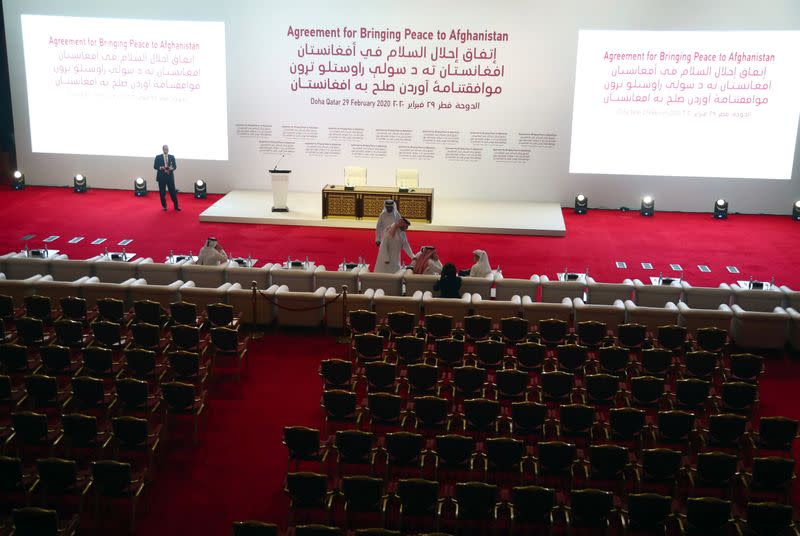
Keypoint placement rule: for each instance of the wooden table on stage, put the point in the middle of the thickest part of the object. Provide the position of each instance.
(367, 202)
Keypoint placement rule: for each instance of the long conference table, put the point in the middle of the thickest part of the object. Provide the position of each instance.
(359, 202)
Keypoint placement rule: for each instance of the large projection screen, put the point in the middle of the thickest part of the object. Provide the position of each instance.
(480, 98)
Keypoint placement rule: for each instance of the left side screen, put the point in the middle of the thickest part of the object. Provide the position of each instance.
(113, 87)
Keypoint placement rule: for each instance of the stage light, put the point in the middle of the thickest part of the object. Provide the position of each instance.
(18, 180)
(796, 211)
(200, 189)
(581, 204)
(648, 207)
(79, 183)
(721, 209)
(139, 187)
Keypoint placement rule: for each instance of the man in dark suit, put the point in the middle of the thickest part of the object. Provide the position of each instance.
(165, 165)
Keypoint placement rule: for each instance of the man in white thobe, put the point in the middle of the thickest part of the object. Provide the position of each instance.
(212, 253)
(393, 242)
(388, 216)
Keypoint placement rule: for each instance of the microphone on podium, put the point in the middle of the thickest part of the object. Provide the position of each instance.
(278, 162)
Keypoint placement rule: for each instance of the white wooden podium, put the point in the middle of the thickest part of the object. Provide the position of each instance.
(280, 189)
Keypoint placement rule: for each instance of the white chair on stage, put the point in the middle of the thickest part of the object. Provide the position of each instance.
(296, 279)
(496, 309)
(160, 273)
(242, 301)
(336, 313)
(794, 328)
(245, 275)
(706, 297)
(391, 284)
(458, 308)
(95, 289)
(406, 178)
(656, 295)
(611, 315)
(336, 279)
(18, 288)
(21, 267)
(422, 282)
(55, 290)
(478, 285)
(109, 271)
(608, 293)
(506, 287)
(652, 317)
(791, 298)
(383, 304)
(202, 297)
(757, 299)
(302, 308)
(204, 276)
(70, 270)
(693, 319)
(355, 176)
(165, 294)
(556, 291)
(535, 312)
(759, 329)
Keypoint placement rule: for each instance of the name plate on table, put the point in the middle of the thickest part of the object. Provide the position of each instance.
(119, 256)
(298, 265)
(663, 281)
(571, 276)
(756, 285)
(243, 262)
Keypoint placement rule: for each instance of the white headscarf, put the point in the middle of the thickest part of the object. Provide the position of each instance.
(481, 268)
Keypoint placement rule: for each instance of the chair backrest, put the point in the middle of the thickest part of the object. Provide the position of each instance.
(355, 176)
(406, 178)
(111, 478)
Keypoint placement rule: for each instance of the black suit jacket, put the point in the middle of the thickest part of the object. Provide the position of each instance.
(159, 161)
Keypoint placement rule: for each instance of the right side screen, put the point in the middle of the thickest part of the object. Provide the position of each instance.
(686, 103)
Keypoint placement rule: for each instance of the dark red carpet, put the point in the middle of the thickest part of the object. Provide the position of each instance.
(238, 469)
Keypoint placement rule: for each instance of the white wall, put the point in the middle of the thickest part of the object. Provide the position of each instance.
(536, 98)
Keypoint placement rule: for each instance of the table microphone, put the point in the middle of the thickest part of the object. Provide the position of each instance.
(278, 162)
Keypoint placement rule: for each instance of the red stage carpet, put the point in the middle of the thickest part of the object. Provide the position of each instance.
(761, 246)
(238, 469)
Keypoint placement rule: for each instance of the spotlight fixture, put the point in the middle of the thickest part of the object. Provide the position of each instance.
(79, 183)
(581, 204)
(18, 180)
(796, 210)
(648, 207)
(200, 189)
(721, 209)
(139, 187)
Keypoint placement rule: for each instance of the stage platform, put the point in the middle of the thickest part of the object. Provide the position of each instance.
(453, 215)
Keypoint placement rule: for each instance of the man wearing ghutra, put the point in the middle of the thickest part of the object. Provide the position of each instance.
(388, 216)
(393, 242)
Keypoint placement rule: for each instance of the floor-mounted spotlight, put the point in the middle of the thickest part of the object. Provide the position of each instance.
(648, 207)
(721, 209)
(79, 183)
(581, 204)
(139, 187)
(18, 180)
(200, 189)
(796, 210)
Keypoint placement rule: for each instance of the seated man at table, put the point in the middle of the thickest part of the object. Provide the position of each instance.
(426, 261)
(212, 253)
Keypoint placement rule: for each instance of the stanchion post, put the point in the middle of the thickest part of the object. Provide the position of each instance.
(345, 337)
(257, 333)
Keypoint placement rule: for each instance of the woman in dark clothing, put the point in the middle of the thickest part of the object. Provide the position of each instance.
(449, 284)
